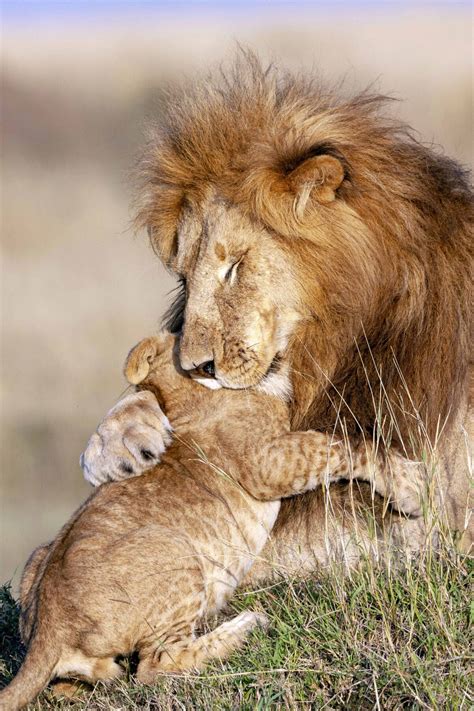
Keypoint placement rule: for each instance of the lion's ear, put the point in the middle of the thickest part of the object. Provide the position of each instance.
(317, 177)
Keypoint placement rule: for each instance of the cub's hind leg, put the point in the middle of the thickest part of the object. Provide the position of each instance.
(192, 654)
(31, 574)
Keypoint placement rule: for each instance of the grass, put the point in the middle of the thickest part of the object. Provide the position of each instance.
(380, 638)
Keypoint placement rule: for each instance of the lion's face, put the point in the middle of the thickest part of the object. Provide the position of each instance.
(241, 295)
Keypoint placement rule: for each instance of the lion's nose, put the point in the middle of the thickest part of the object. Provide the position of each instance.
(205, 368)
(195, 351)
(204, 365)
(208, 368)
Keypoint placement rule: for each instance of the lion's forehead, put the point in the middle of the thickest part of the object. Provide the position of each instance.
(213, 233)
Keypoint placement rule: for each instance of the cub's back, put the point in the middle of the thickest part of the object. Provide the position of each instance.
(181, 516)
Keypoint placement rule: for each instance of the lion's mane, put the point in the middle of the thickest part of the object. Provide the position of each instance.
(386, 266)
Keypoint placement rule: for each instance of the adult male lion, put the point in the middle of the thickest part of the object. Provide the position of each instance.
(315, 230)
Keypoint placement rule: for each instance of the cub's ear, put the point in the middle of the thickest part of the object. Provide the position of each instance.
(139, 360)
(142, 356)
(316, 177)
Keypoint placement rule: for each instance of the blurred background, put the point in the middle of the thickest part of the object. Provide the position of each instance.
(79, 80)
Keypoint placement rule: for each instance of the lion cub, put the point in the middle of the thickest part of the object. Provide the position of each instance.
(143, 560)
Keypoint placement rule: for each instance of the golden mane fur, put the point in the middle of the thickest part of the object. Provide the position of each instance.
(394, 246)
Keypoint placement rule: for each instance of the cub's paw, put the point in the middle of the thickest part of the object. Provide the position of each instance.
(128, 442)
(405, 483)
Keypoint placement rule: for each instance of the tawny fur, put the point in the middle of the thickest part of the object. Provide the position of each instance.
(143, 561)
(353, 246)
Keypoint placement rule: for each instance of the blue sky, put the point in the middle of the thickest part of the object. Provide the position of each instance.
(45, 9)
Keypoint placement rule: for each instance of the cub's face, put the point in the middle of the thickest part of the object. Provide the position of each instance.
(241, 296)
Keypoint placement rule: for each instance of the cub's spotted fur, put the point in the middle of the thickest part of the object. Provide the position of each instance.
(143, 560)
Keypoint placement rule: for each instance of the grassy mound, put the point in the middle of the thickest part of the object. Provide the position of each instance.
(381, 638)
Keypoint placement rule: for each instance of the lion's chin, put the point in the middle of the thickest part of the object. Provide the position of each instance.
(221, 380)
(210, 383)
(252, 379)
(241, 383)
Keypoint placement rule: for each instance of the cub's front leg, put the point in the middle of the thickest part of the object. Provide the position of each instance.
(136, 432)
(301, 461)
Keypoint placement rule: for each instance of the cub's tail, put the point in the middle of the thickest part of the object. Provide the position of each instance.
(35, 672)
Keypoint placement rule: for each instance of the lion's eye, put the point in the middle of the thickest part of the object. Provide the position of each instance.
(231, 273)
